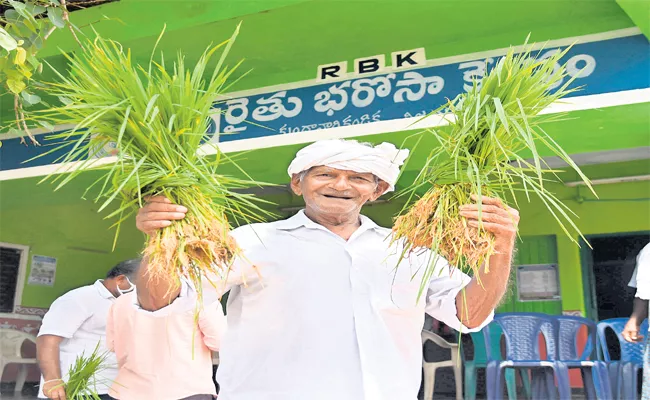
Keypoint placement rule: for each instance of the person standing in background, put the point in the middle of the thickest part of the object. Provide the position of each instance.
(74, 325)
(641, 281)
(165, 354)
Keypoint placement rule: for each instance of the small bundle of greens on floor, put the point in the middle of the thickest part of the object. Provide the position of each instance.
(157, 119)
(480, 153)
(84, 374)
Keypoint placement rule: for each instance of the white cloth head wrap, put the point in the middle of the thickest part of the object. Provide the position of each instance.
(382, 160)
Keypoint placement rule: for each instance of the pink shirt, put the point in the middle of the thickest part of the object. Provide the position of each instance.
(166, 354)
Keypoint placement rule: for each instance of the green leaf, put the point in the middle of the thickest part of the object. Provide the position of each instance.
(26, 71)
(31, 99)
(13, 74)
(33, 61)
(55, 14)
(18, 5)
(28, 18)
(32, 26)
(11, 15)
(38, 43)
(16, 86)
(34, 9)
(7, 41)
(65, 100)
(46, 125)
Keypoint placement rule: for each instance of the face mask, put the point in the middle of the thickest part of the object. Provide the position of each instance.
(129, 290)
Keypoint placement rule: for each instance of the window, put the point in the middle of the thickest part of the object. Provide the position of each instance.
(13, 262)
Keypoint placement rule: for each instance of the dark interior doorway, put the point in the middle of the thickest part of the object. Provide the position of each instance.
(613, 260)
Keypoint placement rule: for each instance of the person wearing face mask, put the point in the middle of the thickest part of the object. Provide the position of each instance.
(165, 354)
(74, 325)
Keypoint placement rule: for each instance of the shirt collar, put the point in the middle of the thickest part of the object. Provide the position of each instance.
(105, 293)
(300, 219)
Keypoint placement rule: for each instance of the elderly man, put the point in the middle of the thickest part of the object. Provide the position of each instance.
(317, 309)
(74, 325)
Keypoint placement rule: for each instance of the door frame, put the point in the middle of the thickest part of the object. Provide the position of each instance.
(22, 271)
(587, 267)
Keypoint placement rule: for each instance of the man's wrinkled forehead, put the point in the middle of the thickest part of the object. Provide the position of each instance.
(325, 168)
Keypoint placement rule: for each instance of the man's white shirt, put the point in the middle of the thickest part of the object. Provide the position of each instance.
(79, 316)
(312, 316)
(641, 276)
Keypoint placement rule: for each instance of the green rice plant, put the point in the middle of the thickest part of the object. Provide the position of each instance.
(157, 119)
(84, 374)
(480, 153)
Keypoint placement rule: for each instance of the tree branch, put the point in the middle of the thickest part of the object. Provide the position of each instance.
(20, 122)
(66, 18)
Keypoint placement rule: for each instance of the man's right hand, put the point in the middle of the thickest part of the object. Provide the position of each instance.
(631, 331)
(54, 389)
(158, 213)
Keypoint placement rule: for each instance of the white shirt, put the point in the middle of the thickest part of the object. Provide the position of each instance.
(641, 276)
(311, 316)
(79, 316)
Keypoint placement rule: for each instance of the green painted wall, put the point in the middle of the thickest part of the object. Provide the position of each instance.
(622, 207)
(71, 231)
(639, 13)
(531, 250)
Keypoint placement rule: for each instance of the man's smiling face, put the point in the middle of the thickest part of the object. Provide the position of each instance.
(333, 191)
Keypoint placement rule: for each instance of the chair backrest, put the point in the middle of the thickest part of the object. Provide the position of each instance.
(11, 342)
(629, 351)
(437, 339)
(480, 353)
(487, 344)
(521, 331)
(567, 342)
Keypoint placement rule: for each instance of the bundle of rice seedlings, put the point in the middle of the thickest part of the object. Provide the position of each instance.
(157, 119)
(481, 152)
(85, 374)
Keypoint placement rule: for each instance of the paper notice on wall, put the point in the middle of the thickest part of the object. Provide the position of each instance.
(538, 282)
(43, 271)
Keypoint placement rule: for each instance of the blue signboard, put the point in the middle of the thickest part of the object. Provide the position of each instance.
(604, 66)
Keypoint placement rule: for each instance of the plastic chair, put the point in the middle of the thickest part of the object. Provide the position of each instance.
(594, 372)
(521, 331)
(431, 367)
(480, 360)
(11, 342)
(623, 373)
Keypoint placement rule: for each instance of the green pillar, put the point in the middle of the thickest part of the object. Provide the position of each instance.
(570, 269)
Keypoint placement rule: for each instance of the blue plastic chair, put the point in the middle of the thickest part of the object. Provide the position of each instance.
(521, 331)
(480, 360)
(594, 372)
(623, 373)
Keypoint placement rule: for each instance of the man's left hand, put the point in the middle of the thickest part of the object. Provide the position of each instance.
(496, 218)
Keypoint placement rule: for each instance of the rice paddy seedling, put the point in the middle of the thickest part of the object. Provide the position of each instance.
(156, 117)
(84, 375)
(480, 153)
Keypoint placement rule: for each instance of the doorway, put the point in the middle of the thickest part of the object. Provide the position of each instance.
(607, 269)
